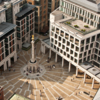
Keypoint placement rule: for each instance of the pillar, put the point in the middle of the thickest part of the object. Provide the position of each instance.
(62, 62)
(44, 49)
(32, 42)
(69, 67)
(41, 47)
(9, 62)
(84, 77)
(93, 83)
(5, 66)
(49, 53)
(76, 71)
(15, 57)
(56, 57)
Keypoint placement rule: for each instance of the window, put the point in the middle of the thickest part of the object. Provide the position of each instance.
(18, 35)
(91, 45)
(6, 39)
(9, 38)
(84, 53)
(27, 17)
(93, 38)
(27, 29)
(37, 2)
(12, 35)
(87, 47)
(18, 28)
(18, 23)
(88, 40)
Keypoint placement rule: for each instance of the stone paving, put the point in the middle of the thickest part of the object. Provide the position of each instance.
(53, 83)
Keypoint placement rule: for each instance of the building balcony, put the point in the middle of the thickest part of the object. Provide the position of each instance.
(77, 43)
(66, 36)
(71, 39)
(57, 31)
(62, 34)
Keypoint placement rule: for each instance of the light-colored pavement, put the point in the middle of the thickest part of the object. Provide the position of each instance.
(53, 83)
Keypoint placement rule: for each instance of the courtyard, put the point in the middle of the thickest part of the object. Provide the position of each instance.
(53, 83)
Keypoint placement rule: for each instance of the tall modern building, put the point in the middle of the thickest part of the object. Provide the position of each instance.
(41, 14)
(75, 36)
(52, 5)
(17, 19)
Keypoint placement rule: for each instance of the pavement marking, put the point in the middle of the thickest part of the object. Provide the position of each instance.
(12, 75)
(35, 84)
(28, 89)
(9, 90)
(52, 94)
(22, 61)
(84, 97)
(44, 90)
(53, 71)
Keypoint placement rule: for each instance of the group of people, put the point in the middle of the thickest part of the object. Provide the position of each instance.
(51, 66)
(10, 69)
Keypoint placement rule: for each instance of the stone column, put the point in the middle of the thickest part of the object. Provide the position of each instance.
(62, 62)
(44, 49)
(49, 53)
(5, 66)
(76, 71)
(9, 63)
(69, 67)
(41, 47)
(93, 83)
(84, 77)
(56, 57)
(15, 57)
(32, 59)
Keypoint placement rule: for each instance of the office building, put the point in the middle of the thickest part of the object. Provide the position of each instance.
(75, 36)
(52, 5)
(41, 14)
(17, 20)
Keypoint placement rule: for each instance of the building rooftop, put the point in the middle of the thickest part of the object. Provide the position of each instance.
(81, 31)
(26, 9)
(86, 65)
(94, 71)
(91, 68)
(47, 41)
(7, 3)
(93, 5)
(5, 28)
(78, 25)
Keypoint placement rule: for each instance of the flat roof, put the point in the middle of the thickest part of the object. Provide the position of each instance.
(86, 65)
(59, 21)
(47, 41)
(26, 45)
(98, 76)
(90, 4)
(28, 8)
(5, 28)
(94, 71)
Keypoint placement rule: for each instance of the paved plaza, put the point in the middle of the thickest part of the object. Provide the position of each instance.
(52, 83)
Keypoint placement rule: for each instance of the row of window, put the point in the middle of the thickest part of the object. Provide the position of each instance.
(7, 53)
(80, 11)
(66, 54)
(23, 22)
